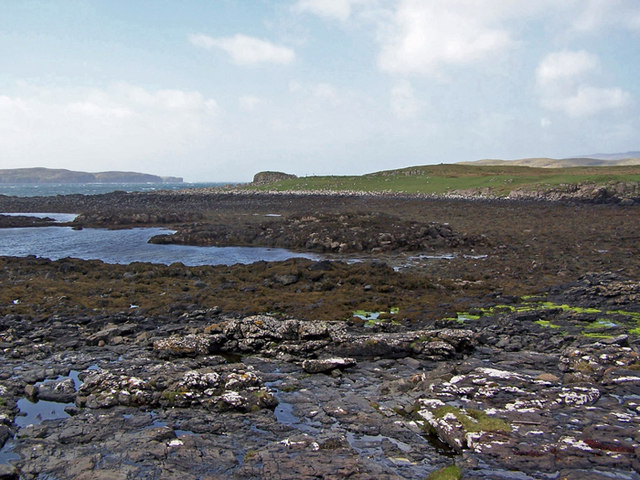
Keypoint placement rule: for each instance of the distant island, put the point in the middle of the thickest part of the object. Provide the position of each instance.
(50, 175)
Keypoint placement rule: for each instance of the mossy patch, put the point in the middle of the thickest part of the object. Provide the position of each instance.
(451, 472)
(532, 306)
(633, 315)
(597, 328)
(601, 323)
(596, 335)
(474, 420)
(249, 455)
(546, 324)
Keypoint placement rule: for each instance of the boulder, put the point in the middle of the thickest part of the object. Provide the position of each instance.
(188, 346)
(63, 391)
(327, 364)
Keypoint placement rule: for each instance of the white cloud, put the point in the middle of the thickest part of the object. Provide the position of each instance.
(334, 9)
(608, 13)
(322, 92)
(589, 100)
(565, 65)
(404, 104)
(565, 80)
(429, 34)
(245, 50)
(112, 128)
(249, 102)
(342, 10)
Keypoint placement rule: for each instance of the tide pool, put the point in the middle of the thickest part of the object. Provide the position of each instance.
(127, 246)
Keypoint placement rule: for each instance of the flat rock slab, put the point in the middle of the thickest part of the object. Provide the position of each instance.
(327, 364)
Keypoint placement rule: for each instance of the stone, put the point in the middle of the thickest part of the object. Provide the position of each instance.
(327, 364)
(188, 346)
(31, 391)
(62, 391)
(548, 377)
(8, 472)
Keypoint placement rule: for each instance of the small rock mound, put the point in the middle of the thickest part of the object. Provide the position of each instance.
(265, 178)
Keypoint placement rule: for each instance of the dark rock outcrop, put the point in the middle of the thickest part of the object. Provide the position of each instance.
(16, 221)
(347, 233)
(265, 178)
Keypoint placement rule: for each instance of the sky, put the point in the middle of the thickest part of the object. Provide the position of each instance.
(217, 90)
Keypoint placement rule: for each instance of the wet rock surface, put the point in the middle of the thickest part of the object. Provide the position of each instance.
(209, 395)
(18, 221)
(515, 358)
(347, 233)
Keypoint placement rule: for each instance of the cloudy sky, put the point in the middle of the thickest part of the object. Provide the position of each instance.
(216, 90)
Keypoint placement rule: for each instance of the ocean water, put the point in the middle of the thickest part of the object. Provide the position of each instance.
(126, 246)
(52, 189)
(117, 246)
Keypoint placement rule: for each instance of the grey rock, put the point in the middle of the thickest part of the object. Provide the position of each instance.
(8, 472)
(327, 364)
(57, 391)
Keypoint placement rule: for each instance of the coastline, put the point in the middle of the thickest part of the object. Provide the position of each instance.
(474, 353)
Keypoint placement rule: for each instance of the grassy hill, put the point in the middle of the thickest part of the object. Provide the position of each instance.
(560, 163)
(496, 180)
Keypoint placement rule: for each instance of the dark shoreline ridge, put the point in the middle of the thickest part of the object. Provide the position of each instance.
(501, 336)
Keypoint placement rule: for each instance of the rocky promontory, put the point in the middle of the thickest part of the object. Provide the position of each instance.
(265, 178)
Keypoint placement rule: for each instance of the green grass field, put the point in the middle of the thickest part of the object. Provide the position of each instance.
(447, 178)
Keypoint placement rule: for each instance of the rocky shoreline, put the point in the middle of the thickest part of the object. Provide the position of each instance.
(495, 393)
(481, 344)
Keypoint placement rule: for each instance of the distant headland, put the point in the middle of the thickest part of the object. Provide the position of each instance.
(50, 175)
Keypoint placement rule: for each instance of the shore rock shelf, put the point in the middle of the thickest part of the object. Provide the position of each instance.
(325, 233)
(292, 338)
(222, 387)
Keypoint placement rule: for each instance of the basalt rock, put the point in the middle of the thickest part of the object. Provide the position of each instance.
(188, 345)
(346, 233)
(221, 387)
(327, 364)
(536, 387)
(626, 193)
(265, 178)
(427, 344)
(270, 335)
(62, 391)
(15, 221)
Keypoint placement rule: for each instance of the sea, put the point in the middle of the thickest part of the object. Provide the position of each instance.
(52, 189)
(118, 246)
